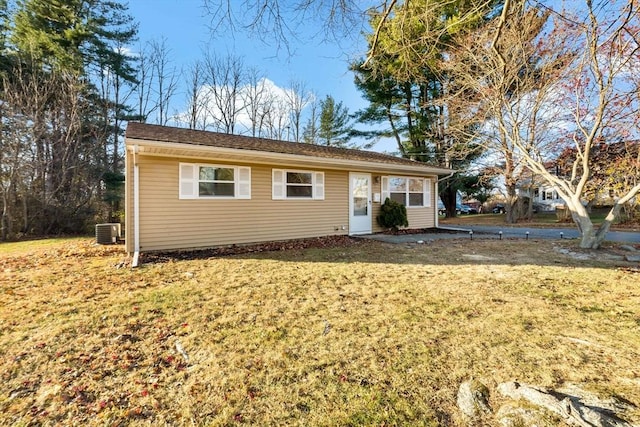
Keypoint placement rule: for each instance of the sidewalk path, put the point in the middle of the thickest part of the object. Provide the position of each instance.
(493, 232)
(553, 233)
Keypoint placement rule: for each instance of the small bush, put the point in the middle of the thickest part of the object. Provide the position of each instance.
(393, 215)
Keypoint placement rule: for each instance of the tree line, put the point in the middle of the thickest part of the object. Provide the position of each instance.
(62, 70)
(70, 80)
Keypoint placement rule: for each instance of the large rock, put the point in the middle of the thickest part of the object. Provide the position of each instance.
(570, 409)
(473, 399)
(512, 414)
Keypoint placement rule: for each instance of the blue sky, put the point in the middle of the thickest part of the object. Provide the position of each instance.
(322, 66)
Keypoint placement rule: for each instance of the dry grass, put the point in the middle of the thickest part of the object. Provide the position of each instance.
(370, 334)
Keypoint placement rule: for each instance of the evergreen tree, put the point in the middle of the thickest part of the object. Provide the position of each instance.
(334, 129)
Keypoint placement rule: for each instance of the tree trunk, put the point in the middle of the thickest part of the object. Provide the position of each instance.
(5, 218)
(510, 205)
(605, 226)
(510, 187)
(580, 216)
(449, 196)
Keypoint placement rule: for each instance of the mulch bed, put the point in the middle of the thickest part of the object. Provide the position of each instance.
(432, 230)
(317, 242)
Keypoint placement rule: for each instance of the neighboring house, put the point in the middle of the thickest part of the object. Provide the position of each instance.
(542, 194)
(194, 189)
(545, 197)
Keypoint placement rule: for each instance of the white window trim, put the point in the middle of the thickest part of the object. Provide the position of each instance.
(241, 181)
(426, 190)
(279, 184)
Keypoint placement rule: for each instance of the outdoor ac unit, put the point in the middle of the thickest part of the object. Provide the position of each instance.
(107, 234)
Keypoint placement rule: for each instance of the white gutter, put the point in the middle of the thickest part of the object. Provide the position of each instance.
(136, 208)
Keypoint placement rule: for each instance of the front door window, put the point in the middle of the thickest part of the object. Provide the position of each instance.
(360, 196)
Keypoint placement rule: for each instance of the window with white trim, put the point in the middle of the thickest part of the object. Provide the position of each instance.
(204, 181)
(410, 192)
(296, 184)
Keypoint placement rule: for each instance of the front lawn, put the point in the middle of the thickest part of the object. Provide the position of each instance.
(363, 334)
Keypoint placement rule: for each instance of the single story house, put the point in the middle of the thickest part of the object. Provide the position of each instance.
(189, 189)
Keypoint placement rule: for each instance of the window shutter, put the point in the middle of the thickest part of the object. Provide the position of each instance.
(277, 184)
(188, 181)
(244, 183)
(318, 186)
(427, 193)
(384, 188)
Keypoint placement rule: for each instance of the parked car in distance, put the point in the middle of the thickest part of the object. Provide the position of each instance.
(498, 209)
(466, 209)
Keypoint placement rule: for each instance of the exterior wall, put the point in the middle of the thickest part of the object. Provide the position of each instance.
(417, 217)
(166, 222)
(375, 206)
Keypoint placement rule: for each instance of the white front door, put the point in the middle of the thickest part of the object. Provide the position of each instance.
(359, 203)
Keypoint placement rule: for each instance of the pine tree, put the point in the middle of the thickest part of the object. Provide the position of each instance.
(335, 128)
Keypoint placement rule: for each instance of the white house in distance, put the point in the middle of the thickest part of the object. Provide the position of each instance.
(194, 189)
(544, 197)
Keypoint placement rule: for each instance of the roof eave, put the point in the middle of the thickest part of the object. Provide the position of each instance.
(176, 149)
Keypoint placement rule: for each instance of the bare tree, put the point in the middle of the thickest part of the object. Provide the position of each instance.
(47, 158)
(276, 119)
(145, 79)
(166, 79)
(265, 113)
(280, 21)
(255, 98)
(225, 79)
(197, 96)
(508, 91)
(297, 99)
(602, 106)
(25, 146)
(22, 94)
(310, 133)
(565, 90)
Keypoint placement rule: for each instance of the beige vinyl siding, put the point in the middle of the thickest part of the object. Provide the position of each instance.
(417, 217)
(375, 206)
(166, 222)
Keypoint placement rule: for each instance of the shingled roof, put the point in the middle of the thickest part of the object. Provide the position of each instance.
(143, 131)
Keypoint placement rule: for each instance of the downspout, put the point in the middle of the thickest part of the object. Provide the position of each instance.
(438, 194)
(136, 208)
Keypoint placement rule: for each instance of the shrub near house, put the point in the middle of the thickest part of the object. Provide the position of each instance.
(392, 215)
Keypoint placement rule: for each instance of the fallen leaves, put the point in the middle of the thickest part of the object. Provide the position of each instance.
(289, 245)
